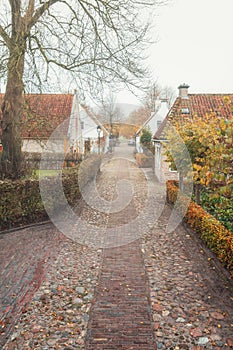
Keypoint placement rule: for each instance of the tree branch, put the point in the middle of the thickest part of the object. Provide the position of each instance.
(5, 36)
(29, 12)
(40, 11)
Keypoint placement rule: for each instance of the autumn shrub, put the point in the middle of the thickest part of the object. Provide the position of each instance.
(218, 238)
(21, 202)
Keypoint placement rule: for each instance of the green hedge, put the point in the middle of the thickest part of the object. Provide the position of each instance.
(212, 232)
(21, 203)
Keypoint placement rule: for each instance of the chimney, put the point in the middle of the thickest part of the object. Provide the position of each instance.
(183, 91)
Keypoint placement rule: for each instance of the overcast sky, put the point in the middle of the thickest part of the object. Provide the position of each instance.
(195, 46)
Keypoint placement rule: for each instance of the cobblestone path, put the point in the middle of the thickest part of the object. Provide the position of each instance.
(158, 290)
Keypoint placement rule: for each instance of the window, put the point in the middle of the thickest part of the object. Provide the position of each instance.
(185, 110)
(82, 125)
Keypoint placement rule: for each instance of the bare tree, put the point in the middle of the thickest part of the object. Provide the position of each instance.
(98, 41)
(139, 116)
(169, 94)
(150, 100)
(154, 92)
(110, 112)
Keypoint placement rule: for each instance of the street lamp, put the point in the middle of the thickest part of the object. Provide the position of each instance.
(98, 131)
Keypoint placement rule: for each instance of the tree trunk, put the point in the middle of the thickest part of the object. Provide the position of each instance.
(12, 109)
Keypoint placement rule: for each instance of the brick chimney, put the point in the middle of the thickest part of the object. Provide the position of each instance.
(183, 91)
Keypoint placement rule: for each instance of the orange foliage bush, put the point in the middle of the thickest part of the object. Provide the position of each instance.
(212, 232)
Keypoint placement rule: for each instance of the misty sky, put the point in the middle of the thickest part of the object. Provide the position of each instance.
(195, 46)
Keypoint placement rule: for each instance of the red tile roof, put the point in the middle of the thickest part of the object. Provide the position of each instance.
(43, 113)
(198, 105)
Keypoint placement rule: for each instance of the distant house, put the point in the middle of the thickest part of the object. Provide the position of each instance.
(153, 122)
(89, 134)
(184, 108)
(45, 113)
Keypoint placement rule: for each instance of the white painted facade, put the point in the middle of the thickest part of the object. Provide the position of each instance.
(153, 123)
(82, 127)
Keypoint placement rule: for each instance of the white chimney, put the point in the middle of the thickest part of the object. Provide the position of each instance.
(183, 91)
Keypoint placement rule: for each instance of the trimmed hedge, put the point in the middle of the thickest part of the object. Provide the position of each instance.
(21, 203)
(212, 232)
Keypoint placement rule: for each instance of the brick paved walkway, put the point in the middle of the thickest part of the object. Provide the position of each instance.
(25, 256)
(121, 316)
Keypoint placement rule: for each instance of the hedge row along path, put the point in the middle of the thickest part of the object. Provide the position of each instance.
(160, 291)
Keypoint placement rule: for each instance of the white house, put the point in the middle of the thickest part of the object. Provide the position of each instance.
(153, 122)
(60, 119)
(183, 109)
(94, 135)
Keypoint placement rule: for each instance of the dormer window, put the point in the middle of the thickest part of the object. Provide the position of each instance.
(185, 110)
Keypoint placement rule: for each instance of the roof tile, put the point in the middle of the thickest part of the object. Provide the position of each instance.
(199, 105)
(43, 113)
